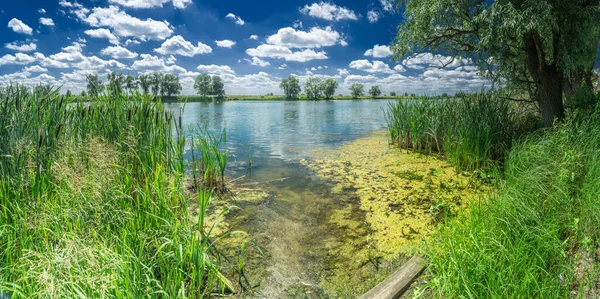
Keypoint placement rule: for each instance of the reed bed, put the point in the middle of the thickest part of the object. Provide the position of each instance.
(539, 235)
(93, 204)
(475, 131)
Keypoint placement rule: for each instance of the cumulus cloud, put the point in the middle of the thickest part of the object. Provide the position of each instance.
(225, 43)
(18, 58)
(124, 25)
(367, 66)
(328, 11)
(103, 33)
(315, 38)
(49, 62)
(216, 69)
(119, 52)
(35, 69)
(150, 3)
(379, 52)
(22, 47)
(399, 68)
(258, 62)
(254, 37)
(42, 11)
(236, 19)
(177, 45)
(274, 51)
(156, 64)
(47, 21)
(387, 5)
(19, 27)
(372, 16)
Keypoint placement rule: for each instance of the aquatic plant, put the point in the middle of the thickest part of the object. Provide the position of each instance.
(92, 200)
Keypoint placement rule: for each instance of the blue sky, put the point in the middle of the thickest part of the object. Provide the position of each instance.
(250, 44)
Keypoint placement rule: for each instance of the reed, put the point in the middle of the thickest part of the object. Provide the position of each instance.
(92, 200)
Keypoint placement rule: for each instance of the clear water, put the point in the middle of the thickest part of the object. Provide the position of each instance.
(292, 226)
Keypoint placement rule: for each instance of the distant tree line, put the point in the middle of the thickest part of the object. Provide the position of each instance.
(157, 84)
(315, 88)
(207, 85)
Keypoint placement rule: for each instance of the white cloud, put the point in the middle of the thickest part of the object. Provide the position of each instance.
(428, 60)
(216, 69)
(372, 16)
(387, 5)
(95, 63)
(118, 52)
(177, 45)
(47, 22)
(235, 18)
(132, 42)
(103, 33)
(282, 67)
(225, 43)
(21, 48)
(274, 51)
(42, 11)
(19, 27)
(150, 3)
(49, 62)
(156, 64)
(399, 68)
(35, 69)
(254, 37)
(379, 51)
(258, 62)
(328, 11)
(124, 25)
(315, 38)
(18, 58)
(375, 67)
(297, 24)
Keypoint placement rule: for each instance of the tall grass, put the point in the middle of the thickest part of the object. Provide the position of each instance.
(539, 237)
(474, 131)
(92, 202)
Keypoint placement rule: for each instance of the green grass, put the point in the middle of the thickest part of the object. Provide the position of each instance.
(539, 235)
(93, 201)
(474, 131)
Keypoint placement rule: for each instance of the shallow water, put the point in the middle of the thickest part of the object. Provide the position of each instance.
(291, 225)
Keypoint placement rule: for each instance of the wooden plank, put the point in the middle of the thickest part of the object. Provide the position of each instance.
(399, 282)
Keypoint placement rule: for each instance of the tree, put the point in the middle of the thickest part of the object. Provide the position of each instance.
(169, 85)
(83, 93)
(357, 90)
(328, 87)
(131, 84)
(155, 80)
(202, 85)
(217, 87)
(116, 81)
(392, 93)
(546, 48)
(374, 91)
(94, 85)
(69, 93)
(313, 88)
(144, 83)
(291, 87)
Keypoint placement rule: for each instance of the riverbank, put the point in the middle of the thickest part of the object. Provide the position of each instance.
(343, 220)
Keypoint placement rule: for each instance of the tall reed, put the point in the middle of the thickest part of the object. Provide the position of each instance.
(92, 202)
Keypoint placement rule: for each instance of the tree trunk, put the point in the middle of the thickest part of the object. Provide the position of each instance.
(548, 79)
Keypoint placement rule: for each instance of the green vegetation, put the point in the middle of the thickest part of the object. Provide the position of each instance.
(357, 90)
(545, 48)
(207, 85)
(539, 236)
(312, 88)
(482, 128)
(374, 91)
(166, 86)
(291, 87)
(93, 201)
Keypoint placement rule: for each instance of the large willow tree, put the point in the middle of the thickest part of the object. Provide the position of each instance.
(545, 47)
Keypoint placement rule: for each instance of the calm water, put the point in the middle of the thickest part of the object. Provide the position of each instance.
(292, 227)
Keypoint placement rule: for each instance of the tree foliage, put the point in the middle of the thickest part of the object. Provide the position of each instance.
(95, 86)
(291, 87)
(217, 87)
(169, 86)
(313, 88)
(374, 91)
(543, 47)
(357, 90)
(202, 85)
(328, 87)
(144, 82)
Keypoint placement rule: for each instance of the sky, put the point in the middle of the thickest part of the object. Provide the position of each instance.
(252, 45)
